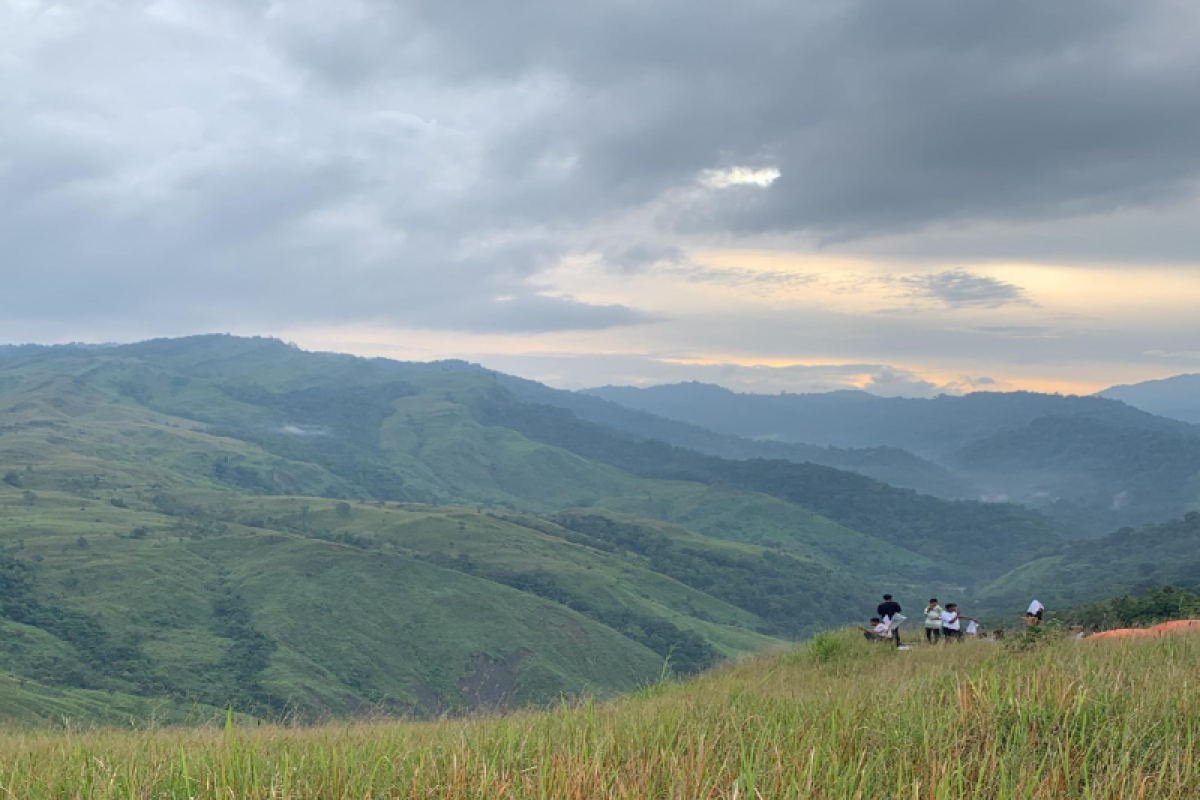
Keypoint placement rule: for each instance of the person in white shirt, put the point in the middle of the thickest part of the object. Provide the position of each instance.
(877, 632)
(933, 621)
(952, 623)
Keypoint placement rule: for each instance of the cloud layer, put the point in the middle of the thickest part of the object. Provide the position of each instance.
(171, 166)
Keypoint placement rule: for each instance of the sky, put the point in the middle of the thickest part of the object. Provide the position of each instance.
(909, 198)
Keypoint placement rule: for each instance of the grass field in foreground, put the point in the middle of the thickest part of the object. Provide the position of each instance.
(838, 718)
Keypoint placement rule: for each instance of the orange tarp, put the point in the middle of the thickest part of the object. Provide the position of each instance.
(1121, 633)
(1178, 626)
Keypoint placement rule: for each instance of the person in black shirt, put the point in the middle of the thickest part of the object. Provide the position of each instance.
(889, 608)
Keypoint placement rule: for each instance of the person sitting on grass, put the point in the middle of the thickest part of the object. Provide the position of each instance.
(878, 632)
(933, 621)
(888, 610)
(952, 623)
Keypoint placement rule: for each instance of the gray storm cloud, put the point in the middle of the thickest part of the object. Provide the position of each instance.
(201, 164)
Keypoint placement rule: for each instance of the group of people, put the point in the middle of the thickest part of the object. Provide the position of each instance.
(940, 623)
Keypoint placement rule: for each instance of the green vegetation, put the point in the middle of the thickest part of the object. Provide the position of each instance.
(1127, 561)
(286, 606)
(221, 522)
(933, 427)
(1162, 604)
(1098, 474)
(1094, 464)
(839, 718)
(889, 465)
(977, 539)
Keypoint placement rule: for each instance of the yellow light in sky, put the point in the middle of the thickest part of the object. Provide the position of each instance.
(1060, 303)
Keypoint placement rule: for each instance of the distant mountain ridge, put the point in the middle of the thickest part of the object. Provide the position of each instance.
(933, 427)
(1177, 397)
(1093, 462)
(887, 464)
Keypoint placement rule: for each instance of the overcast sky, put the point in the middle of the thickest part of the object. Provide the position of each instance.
(910, 197)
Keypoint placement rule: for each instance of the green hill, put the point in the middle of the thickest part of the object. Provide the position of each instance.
(965, 539)
(1092, 463)
(890, 465)
(217, 521)
(1125, 562)
(1097, 474)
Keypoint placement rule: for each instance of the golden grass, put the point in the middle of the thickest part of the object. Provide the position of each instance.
(836, 719)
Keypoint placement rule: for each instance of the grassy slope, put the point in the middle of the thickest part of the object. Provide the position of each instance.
(356, 630)
(837, 719)
(726, 512)
(95, 425)
(967, 540)
(491, 542)
(28, 703)
(353, 626)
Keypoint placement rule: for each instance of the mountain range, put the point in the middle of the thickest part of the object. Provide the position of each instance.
(221, 522)
(1093, 463)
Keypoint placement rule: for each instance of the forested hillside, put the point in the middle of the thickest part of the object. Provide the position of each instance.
(932, 427)
(1124, 562)
(1094, 464)
(966, 538)
(214, 522)
(889, 465)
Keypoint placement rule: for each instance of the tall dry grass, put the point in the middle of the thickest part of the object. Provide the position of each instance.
(836, 719)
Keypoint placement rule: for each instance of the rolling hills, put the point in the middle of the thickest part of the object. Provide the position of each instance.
(889, 465)
(217, 521)
(1092, 463)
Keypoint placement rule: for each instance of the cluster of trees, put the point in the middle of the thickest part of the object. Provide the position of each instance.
(105, 662)
(248, 656)
(101, 658)
(1161, 604)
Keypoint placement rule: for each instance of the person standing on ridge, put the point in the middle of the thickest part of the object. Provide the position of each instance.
(933, 621)
(888, 610)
